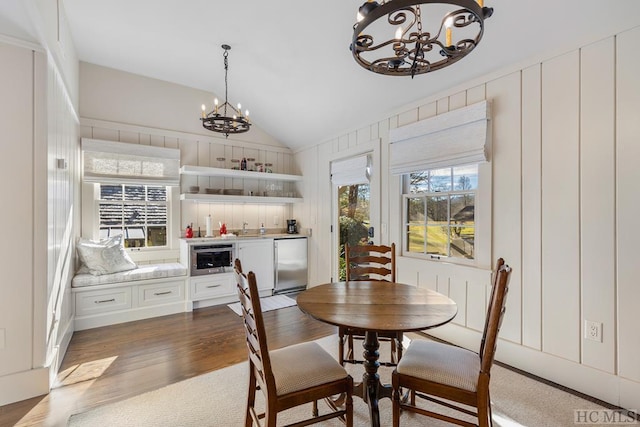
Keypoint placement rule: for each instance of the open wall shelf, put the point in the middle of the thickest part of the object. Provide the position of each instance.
(234, 173)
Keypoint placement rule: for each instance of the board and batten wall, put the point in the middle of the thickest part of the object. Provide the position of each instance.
(39, 126)
(124, 107)
(564, 207)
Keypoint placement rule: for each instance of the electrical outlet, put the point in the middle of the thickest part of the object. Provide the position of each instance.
(276, 220)
(593, 330)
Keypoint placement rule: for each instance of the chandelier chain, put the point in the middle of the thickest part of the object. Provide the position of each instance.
(226, 86)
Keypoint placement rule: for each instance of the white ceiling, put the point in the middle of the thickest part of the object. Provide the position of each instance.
(290, 63)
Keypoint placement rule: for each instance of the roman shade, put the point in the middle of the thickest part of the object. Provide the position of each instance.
(355, 170)
(456, 138)
(122, 163)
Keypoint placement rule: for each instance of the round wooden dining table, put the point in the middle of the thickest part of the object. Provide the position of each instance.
(374, 307)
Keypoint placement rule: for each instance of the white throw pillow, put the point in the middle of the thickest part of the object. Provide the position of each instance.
(104, 256)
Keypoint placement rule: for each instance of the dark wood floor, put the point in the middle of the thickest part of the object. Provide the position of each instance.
(107, 364)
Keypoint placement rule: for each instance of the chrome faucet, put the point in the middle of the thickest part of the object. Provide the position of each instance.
(244, 228)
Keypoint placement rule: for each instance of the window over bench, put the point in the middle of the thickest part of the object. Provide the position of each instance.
(139, 212)
(131, 190)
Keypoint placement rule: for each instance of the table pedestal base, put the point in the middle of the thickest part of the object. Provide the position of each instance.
(371, 390)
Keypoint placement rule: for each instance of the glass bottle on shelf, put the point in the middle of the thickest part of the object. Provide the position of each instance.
(267, 167)
(250, 164)
(259, 167)
(243, 164)
(235, 164)
(220, 162)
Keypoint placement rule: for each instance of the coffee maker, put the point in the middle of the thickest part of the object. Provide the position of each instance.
(292, 227)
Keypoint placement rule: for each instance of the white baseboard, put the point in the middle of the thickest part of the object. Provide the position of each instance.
(24, 385)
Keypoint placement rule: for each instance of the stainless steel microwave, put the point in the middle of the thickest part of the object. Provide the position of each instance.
(212, 258)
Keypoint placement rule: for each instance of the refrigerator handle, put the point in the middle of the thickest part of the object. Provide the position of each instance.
(275, 263)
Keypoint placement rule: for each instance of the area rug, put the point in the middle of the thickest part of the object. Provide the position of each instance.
(267, 303)
(217, 399)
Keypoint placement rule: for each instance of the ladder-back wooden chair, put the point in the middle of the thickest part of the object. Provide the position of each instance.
(289, 376)
(369, 262)
(435, 371)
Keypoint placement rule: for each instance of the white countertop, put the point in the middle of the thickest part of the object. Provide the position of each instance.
(242, 237)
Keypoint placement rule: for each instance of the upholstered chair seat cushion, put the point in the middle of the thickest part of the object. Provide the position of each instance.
(441, 363)
(304, 365)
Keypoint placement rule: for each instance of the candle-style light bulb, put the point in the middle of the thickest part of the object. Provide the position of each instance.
(399, 33)
(240, 109)
(203, 111)
(447, 25)
(215, 103)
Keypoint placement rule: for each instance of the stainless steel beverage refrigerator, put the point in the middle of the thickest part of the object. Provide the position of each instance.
(290, 265)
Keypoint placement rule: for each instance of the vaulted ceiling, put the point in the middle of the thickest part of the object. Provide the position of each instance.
(290, 62)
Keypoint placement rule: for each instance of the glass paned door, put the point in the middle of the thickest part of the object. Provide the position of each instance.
(354, 219)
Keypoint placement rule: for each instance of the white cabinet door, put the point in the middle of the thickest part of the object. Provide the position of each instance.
(258, 257)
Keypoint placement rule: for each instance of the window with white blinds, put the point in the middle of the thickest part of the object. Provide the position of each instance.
(446, 185)
(459, 137)
(108, 162)
(355, 170)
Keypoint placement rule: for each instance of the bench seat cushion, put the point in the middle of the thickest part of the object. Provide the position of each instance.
(150, 271)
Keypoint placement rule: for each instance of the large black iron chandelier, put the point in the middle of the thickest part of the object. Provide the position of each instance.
(225, 118)
(412, 49)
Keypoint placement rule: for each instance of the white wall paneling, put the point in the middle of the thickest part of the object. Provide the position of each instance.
(560, 207)
(597, 200)
(476, 94)
(627, 207)
(40, 170)
(59, 208)
(427, 111)
(458, 292)
(531, 209)
(17, 85)
(504, 94)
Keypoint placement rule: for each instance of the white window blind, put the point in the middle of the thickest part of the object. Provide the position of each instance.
(116, 162)
(459, 137)
(356, 170)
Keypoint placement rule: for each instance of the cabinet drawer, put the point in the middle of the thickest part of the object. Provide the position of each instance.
(160, 293)
(94, 302)
(216, 285)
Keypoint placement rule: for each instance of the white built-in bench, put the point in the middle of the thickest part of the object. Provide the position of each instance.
(147, 291)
